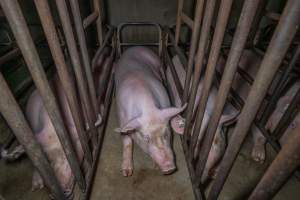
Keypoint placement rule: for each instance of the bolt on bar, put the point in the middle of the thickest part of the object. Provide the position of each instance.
(281, 169)
(84, 52)
(62, 70)
(280, 42)
(97, 8)
(17, 23)
(193, 48)
(236, 50)
(12, 113)
(205, 30)
(79, 74)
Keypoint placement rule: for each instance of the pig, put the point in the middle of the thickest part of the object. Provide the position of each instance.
(219, 142)
(45, 134)
(280, 109)
(144, 110)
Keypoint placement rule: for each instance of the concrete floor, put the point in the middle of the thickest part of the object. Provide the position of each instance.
(147, 182)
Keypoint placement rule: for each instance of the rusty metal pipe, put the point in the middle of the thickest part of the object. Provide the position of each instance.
(63, 73)
(280, 42)
(178, 21)
(205, 30)
(278, 173)
(194, 42)
(214, 54)
(90, 19)
(12, 113)
(238, 44)
(17, 23)
(79, 74)
(97, 8)
(84, 52)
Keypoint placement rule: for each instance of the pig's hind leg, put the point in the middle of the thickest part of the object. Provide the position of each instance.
(259, 141)
(127, 162)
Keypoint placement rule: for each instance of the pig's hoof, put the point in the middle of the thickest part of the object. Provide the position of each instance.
(258, 153)
(127, 172)
(37, 181)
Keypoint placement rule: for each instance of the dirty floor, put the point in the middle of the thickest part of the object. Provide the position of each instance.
(147, 182)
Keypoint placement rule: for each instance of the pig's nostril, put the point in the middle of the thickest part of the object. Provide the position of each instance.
(169, 171)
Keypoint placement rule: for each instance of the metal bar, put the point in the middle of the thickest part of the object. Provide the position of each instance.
(12, 113)
(278, 173)
(84, 52)
(238, 44)
(280, 85)
(63, 73)
(21, 32)
(90, 19)
(186, 19)
(179, 52)
(194, 42)
(273, 16)
(178, 21)
(288, 116)
(75, 59)
(255, 25)
(9, 56)
(281, 40)
(97, 8)
(205, 30)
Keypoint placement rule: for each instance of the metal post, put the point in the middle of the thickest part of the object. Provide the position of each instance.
(97, 8)
(281, 40)
(236, 50)
(207, 21)
(218, 37)
(84, 51)
(75, 59)
(285, 163)
(178, 21)
(194, 42)
(17, 23)
(12, 113)
(62, 70)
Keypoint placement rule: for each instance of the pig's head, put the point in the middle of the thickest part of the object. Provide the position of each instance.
(153, 135)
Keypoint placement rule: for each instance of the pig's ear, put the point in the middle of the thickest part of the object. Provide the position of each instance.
(177, 124)
(168, 113)
(130, 126)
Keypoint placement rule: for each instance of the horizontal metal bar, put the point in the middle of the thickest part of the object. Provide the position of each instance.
(272, 15)
(280, 42)
(90, 19)
(186, 19)
(139, 44)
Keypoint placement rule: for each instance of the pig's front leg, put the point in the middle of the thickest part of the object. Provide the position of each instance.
(127, 163)
(259, 141)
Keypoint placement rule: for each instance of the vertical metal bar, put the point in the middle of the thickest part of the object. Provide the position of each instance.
(84, 51)
(17, 23)
(75, 59)
(62, 70)
(236, 50)
(218, 37)
(281, 40)
(194, 42)
(12, 113)
(278, 173)
(97, 8)
(205, 30)
(275, 96)
(178, 21)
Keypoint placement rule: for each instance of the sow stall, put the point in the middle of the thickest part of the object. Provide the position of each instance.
(197, 44)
